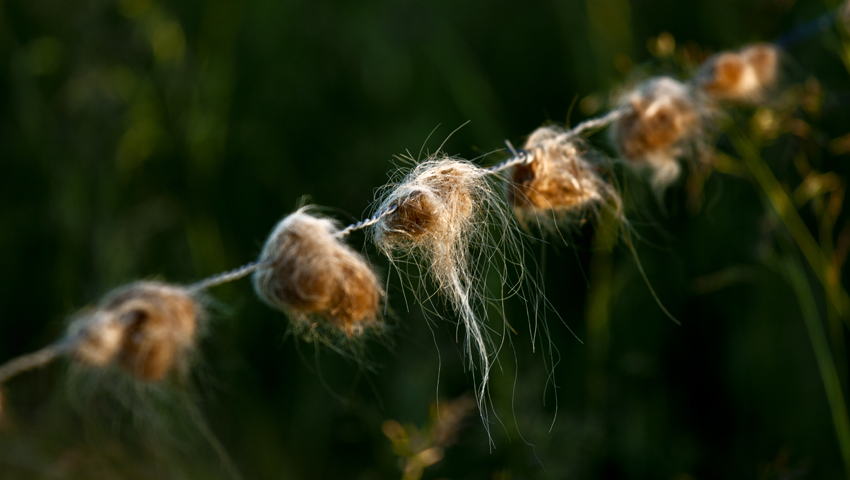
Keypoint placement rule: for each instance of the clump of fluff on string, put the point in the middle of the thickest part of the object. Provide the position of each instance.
(663, 120)
(744, 76)
(324, 286)
(139, 335)
(561, 185)
(447, 217)
(139, 341)
(149, 329)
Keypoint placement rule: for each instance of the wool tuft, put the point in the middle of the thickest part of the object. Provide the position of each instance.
(744, 76)
(446, 213)
(560, 183)
(664, 119)
(310, 274)
(147, 328)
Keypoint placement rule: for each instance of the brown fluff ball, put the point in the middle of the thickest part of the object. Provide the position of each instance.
(444, 213)
(439, 209)
(148, 328)
(436, 208)
(663, 118)
(309, 273)
(559, 183)
(744, 76)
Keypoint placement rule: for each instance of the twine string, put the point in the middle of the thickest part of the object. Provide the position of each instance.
(525, 157)
(36, 359)
(228, 276)
(599, 122)
(368, 222)
(521, 157)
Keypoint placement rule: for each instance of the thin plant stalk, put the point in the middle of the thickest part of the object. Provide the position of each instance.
(827, 218)
(844, 35)
(826, 366)
(776, 197)
(598, 302)
(784, 206)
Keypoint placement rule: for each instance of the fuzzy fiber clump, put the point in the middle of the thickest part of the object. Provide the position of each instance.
(560, 183)
(744, 76)
(446, 210)
(148, 328)
(663, 121)
(309, 273)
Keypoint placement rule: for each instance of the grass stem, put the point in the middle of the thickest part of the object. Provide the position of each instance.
(784, 206)
(817, 335)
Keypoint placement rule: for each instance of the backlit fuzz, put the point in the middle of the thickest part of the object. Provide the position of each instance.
(663, 121)
(560, 184)
(447, 213)
(744, 76)
(323, 285)
(148, 329)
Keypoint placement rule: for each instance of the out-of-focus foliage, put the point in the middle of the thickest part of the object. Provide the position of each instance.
(419, 449)
(150, 139)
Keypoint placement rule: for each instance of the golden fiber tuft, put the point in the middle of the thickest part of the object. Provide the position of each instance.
(448, 220)
(744, 76)
(104, 336)
(434, 206)
(147, 328)
(559, 179)
(311, 274)
(663, 116)
(440, 207)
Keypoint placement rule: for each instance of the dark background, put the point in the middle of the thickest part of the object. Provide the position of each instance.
(163, 140)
